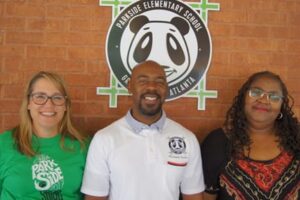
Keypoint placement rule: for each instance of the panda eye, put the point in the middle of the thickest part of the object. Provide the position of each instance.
(174, 49)
(143, 48)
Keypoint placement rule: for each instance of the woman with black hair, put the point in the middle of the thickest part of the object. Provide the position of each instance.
(256, 155)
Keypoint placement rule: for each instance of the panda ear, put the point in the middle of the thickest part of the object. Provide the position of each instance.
(137, 22)
(181, 24)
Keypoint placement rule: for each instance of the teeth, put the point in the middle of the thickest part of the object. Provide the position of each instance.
(48, 113)
(150, 98)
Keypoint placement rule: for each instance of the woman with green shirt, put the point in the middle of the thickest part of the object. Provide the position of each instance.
(44, 156)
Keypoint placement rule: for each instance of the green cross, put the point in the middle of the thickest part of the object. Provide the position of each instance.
(204, 6)
(199, 92)
(113, 91)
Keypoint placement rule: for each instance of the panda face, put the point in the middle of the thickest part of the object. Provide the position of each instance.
(163, 43)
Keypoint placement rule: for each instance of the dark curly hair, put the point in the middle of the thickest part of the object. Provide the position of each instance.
(236, 125)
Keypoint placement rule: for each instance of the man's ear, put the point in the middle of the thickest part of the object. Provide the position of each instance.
(129, 86)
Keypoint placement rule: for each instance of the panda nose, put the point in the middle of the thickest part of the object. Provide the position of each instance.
(168, 70)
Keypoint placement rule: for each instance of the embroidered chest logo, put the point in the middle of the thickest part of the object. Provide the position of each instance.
(47, 177)
(177, 145)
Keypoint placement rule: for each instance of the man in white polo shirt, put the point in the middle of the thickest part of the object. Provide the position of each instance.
(144, 155)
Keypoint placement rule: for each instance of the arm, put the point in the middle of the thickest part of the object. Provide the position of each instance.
(88, 197)
(208, 196)
(213, 150)
(95, 182)
(198, 196)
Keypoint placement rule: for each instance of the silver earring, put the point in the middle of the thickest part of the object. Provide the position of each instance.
(280, 116)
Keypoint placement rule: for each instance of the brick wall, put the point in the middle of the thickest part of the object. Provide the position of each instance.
(68, 36)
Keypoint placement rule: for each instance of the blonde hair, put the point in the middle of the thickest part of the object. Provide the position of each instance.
(23, 132)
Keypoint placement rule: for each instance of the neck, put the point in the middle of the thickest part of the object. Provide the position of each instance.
(45, 133)
(261, 130)
(146, 119)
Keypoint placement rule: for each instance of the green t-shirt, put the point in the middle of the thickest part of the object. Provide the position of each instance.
(52, 174)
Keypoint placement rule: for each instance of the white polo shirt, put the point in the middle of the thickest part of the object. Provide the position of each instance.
(128, 162)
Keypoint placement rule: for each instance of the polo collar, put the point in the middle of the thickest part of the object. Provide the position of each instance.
(138, 127)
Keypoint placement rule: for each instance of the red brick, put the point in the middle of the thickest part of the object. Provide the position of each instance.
(220, 29)
(12, 23)
(1, 124)
(85, 53)
(294, 32)
(293, 85)
(2, 9)
(80, 24)
(259, 58)
(296, 98)
(294, 45)
(11, 64)
(46, 52)
(64, 65)
(88, 109)
(83, 2)
(220, 58)
(82, 79)
(293, 19)
(10, 120)
(80, 11)
(293, 72)
(57, 11)
(24, 10)
(24, 38)
(56, 38)
(77, 93)
(266, 18)
(46, 24)
(238, 58)
(281, 32)
(69, 37)
(33, 64)
(93, 124)
(77, 53)
(98, 67)
(84, 38)
(234, 16)
(91, 94)
(230, 43)
(251, 31)
(9, 106)
(16, 51)
(266, 45)
(13, 91)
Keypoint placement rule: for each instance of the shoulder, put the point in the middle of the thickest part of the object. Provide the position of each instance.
(6, 142)
(111, 134)
(6, 136)
(215, 145)
(216, 136)
(172, 126)
(114, 128)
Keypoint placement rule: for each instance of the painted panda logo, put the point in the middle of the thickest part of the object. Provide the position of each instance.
(168, 32)
(153, 39)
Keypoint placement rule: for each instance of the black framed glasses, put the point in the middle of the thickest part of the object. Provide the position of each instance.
(257, 93)
(42, 98)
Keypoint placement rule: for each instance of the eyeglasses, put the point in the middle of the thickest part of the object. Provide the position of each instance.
(41, 99)
(257, 93)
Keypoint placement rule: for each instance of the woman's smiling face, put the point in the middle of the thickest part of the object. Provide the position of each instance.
(263, 109)
(46, 117)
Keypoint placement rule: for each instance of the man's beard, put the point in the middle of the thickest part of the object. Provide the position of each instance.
(150, 110)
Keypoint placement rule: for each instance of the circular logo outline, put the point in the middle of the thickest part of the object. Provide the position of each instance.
(204, 43)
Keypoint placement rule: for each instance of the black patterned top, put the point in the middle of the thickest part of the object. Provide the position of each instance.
(246, 179)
